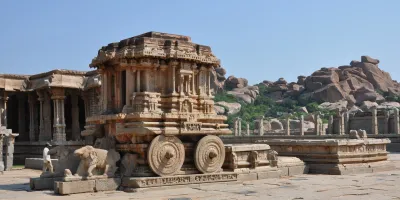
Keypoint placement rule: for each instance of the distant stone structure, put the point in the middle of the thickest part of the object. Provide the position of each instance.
(50, 106)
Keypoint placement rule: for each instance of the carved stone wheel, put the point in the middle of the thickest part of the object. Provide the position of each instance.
(209, 155)
(165, 155)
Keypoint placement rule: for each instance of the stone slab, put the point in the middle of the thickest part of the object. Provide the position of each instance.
(291, 166)
(43, 183)
(247, 176)
(346, 169)
(107, 184)
(246, 147)
(269, 174)
(144, 182)
(64, 188)
(37, 163)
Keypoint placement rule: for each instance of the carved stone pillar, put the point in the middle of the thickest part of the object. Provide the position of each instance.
(76, 130)
(247, 129)
(45, 116)
(301, 125)
(235, 126)
(9, 153)
(287, 128)
(1, 152)
(374, 129)
(346, 123)
(173, 79)
(396, 121)
(261, 128)
(317, 125)
(386, 122)
(58, 97)
(209, 81)
(21, 117)
(181, 80)
(129, 87)
(330, 125)
(341, 124)
(32, 117)
(3, 108)
(239, 127)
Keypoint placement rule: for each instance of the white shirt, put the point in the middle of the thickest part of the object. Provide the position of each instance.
(46, 156)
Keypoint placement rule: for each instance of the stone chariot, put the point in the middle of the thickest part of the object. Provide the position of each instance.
(157, 103)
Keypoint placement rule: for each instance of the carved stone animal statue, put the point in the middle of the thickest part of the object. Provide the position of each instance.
(98, 161)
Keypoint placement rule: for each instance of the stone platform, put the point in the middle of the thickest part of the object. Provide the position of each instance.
(83, 186)
(331, 156)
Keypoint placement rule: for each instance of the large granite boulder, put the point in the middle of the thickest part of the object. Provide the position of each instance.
(341, 105)
(229, 108)
(233, 82)
(246, 94)
(389, 105)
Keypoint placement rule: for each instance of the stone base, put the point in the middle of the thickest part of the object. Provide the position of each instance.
(345, 169)
(43, 183)
(260, 174)
(1, 166)
(134, 182)
(74, 187)
(291, 166)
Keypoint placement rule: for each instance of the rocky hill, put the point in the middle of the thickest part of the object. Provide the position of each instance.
(354, 87)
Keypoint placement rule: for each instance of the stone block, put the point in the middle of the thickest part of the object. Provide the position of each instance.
(297, 170)
(269, 174)
(248, 176)
(145, 182)
(43, 183)
(107, 184)
(74, 187)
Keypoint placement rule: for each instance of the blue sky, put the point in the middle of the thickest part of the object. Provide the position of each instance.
(258, 40)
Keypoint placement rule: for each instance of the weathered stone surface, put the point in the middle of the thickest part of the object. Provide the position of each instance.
(220, 110)
(341, 105)
(37, 163)
(389, 105)
(245, 94)
(233, 82)
(64, 188)
(132, 182)
(43, 183)
(109, 184)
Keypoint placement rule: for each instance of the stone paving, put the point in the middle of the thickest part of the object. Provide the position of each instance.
(384, 185)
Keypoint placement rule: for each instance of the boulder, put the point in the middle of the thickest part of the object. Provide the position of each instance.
(220, 110)
(354, 109)
(233, 82)
(367, 105)
(329, 93)
(301, 79)
(231, 108)
(247, 94)
(368, 59)
(341, 105)
(281, 81)
(380, 80)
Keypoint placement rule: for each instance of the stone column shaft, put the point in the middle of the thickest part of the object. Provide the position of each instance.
(240, 127)
(45, 116)
(301, 125)
(59, 119)
(209, 82)
(173, 81)
(21, 117)
(330, 125)
(287, 126)
(386, 122)
(374, 123)
(317, 125)
(247, 129)
(32, 117)
(129, 87)
(261, 128)
(396, 121)
(341, 124)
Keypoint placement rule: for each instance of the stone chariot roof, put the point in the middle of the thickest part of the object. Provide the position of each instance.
(157, 45)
